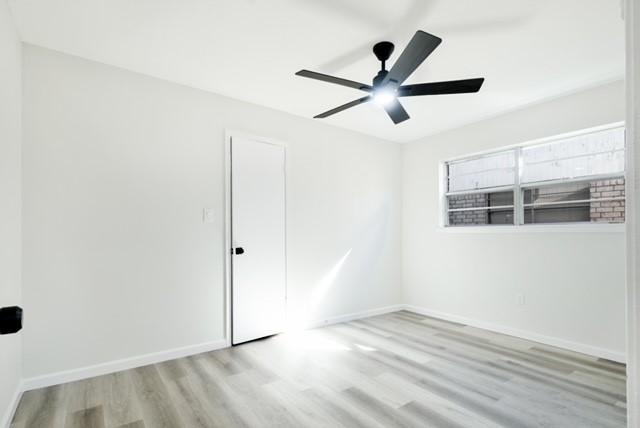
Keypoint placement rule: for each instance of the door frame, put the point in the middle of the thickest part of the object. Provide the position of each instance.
(631, 14)
(228, 280)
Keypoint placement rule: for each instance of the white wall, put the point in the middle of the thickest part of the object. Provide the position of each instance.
(10, 112)
(117, 168)
(573, 283)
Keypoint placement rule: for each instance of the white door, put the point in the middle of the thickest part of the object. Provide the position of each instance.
(258, 282)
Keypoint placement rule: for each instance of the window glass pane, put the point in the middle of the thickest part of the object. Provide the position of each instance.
(559, 193)
(557, 214)
(478, 200)
(596, 153)
(591, 201)
(501, 216)
(481, 217)
(497, 208)
(479, 173)
(468, 218)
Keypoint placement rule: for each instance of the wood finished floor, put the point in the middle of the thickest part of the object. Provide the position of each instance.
(393, 370)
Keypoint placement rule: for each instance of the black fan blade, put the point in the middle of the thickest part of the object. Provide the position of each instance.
(343, 107)
(396, 112)
(336, 80)
(441, 88)
(418, 49)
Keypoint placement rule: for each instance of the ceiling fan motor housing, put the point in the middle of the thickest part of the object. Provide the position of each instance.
(379, 78)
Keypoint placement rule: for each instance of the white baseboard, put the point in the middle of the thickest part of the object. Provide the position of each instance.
(353, 316)
(528, 335)
(119, 365)
(143, 360)
(13, 406)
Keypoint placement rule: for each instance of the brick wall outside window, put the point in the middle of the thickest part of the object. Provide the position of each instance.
(468, 217)
(607, 211)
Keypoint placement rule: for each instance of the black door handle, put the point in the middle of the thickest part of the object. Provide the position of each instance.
(10, 319)
(239, 250)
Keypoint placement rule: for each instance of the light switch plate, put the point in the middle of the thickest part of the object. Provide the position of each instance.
(208, 215)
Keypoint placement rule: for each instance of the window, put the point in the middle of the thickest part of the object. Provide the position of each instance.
(577, 178)
(481, 208)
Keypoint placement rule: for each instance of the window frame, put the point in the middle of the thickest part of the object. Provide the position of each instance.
(519, 188)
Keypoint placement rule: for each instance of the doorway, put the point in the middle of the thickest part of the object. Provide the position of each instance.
(257, 265)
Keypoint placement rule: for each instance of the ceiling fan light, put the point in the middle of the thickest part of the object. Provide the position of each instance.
(384, 97)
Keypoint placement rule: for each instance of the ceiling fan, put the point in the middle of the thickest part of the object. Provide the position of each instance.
(387, 84)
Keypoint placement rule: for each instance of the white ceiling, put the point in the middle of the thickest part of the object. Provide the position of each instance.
(528, 50)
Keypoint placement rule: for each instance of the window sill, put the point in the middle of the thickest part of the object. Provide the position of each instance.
(538, 228)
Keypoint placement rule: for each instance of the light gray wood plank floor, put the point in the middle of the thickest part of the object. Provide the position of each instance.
(394, 370)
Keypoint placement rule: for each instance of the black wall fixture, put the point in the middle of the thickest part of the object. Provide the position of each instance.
(10, 319)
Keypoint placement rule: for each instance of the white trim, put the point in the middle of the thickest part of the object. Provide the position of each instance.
(481, 190)
(443, 220)
(13, 406)
(631, 13)
(119, 365)
(518, 194)
(485, 208)
(142, 360)
(573, 201)
(579, 227)
(158, 357)
(242, 134)
(227, 235)
(594, 351)
(352, 316)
